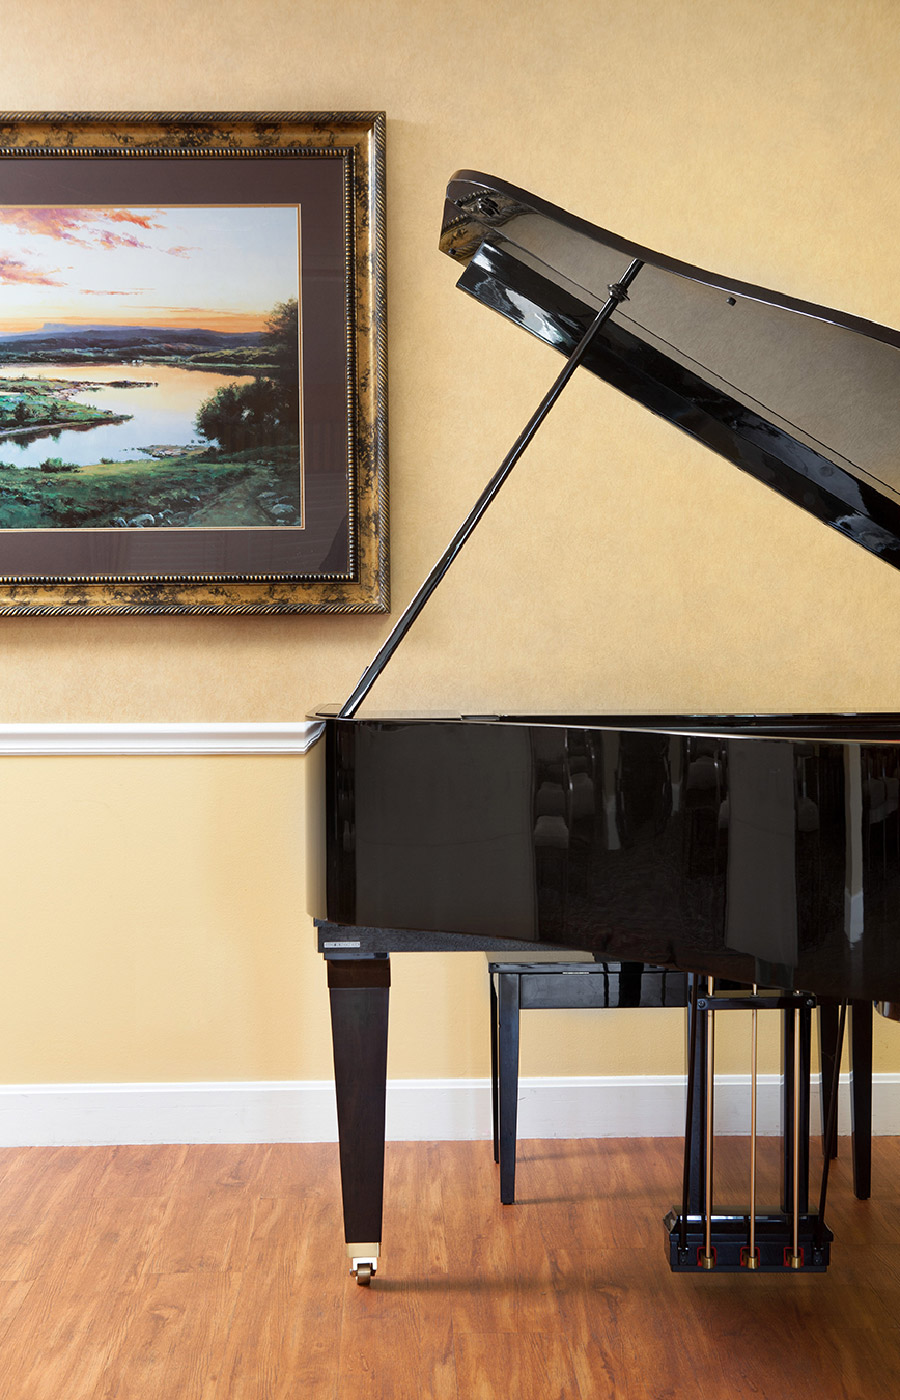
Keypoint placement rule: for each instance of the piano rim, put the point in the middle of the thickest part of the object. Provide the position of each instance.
(829, 727)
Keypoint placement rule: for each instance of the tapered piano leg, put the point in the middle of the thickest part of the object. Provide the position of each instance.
(359, 992)
(860, 1084)
(861, 1096)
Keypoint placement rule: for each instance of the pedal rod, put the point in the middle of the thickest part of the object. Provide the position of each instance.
(752, 1252)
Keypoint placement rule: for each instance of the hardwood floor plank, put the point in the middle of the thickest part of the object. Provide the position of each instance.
(219, 1274)
(12, 1297)
(284, 1335)
(45, 1197)
(10, 1158)
(203, 1229)
(175, 1337)
(409, 1303)
(117, 1240)
(64, 1339)
(520, 1364)
(140, 1170)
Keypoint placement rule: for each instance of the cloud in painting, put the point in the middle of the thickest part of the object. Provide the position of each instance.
(130, 216)
(221, 267)
(105, 239)
(111, 291)
(12, 270)
(86, 227)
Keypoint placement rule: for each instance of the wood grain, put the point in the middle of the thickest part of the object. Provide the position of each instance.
(211, 1272)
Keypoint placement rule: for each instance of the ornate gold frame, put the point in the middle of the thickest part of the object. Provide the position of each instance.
(357, 140)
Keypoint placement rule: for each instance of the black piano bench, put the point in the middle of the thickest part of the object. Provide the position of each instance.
(551, 981)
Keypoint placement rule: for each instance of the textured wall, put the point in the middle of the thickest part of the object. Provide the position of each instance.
(623, 566)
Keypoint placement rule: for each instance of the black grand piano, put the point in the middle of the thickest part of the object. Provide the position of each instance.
(758, 850)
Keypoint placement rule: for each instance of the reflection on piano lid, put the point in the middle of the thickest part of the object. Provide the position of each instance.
(804, 398)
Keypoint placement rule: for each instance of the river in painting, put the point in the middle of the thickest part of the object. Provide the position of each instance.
(162, 415)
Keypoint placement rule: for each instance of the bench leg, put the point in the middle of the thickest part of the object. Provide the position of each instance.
(495, 1088)
(828, 1029)
(508, 1075)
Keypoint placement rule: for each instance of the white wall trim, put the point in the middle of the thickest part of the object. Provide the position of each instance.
(55, 740)
(418, 1109)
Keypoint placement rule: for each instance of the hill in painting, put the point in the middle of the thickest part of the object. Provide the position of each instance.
(53, 337)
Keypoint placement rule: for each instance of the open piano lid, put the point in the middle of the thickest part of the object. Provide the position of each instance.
(804, 398)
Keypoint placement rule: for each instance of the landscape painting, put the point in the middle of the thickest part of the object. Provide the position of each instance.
(193, 363)
(150, 373)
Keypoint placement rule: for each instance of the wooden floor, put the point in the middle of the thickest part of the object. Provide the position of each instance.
(169, 1273)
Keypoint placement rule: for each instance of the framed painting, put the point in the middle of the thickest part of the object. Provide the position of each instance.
(192, 363)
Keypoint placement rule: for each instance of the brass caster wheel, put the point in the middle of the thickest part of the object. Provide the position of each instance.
(363, 1262)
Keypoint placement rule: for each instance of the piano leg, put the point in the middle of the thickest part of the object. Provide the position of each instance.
(359, 990)
(860, 1084)
(861, 1096)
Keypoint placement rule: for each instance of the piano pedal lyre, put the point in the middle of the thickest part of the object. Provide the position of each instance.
(794, 1238)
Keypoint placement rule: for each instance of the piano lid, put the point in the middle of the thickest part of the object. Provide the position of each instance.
(804, 398)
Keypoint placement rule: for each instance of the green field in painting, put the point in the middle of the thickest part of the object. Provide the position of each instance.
(190, 489)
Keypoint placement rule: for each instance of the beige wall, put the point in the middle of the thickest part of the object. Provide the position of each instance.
(152, 906)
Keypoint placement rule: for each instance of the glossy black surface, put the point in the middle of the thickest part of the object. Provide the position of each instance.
(804, 398)
(700, 843)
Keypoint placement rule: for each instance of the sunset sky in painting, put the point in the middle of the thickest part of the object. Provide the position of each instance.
(213, 267)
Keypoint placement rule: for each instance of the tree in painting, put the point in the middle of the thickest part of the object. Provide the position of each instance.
(265, 412)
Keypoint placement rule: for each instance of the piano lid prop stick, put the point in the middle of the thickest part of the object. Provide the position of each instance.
(618, 292)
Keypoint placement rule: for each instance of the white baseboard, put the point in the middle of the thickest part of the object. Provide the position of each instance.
(418, 1109)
